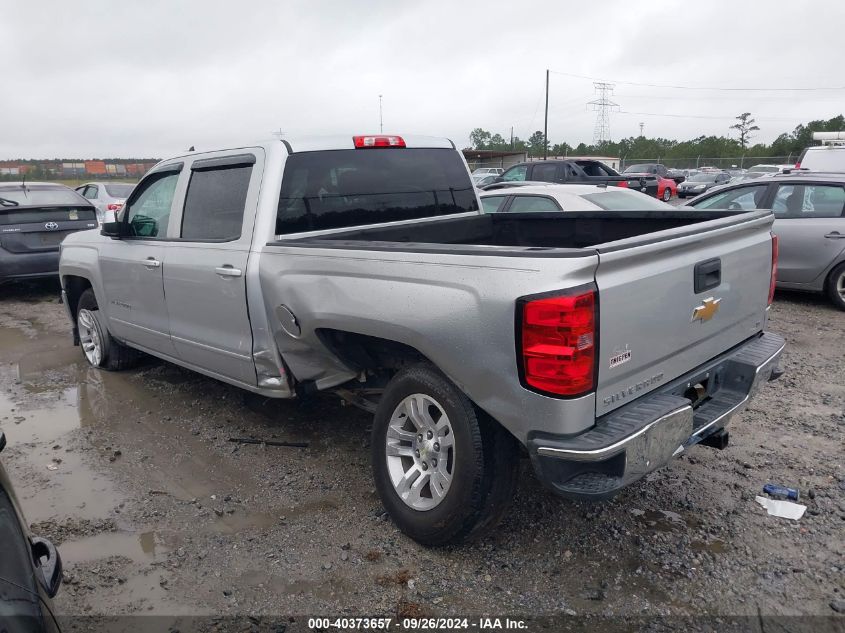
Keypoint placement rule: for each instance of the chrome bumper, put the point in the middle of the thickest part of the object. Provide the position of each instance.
(647, 433)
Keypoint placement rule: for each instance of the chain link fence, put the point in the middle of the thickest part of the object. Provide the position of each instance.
(724, 162)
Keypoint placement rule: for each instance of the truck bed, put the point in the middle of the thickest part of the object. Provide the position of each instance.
(533, 231)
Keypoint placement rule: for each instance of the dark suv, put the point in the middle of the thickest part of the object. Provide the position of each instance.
(34, 219)
(563, 171)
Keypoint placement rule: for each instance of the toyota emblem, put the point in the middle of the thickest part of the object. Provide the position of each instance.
(51, 226)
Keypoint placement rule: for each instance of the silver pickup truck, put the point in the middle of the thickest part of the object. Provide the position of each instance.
(602, 343)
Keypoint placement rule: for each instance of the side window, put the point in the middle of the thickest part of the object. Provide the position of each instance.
(214, 204)
(809, 201)
(515, 173)
(149, 208)
(532, 204)
(570, 173)
(492, 204)
(545, 172)
(90, 192)
(745, 198)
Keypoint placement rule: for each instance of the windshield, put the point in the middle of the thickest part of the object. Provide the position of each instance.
(119, 190)
(639, 169)
(355, 187)
(703, 178)
(38, 196)
(621, 200)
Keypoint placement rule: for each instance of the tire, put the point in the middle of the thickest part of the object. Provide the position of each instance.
(836, 286)
(466, 484)
(667, 194)
(98, 346)
(682, 195)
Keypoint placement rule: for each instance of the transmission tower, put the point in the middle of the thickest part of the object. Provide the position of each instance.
(603, 107)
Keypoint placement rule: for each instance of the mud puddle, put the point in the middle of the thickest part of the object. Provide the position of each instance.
(144, 547)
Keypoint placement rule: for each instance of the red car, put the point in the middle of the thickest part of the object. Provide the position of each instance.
(666, 188)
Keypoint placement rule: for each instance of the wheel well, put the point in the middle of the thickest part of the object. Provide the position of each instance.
(363, 352)
(829, 279)
(74, 287)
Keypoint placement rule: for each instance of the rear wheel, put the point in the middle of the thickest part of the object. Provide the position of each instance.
(98, 346)
(667, 194)
(836, 286)
(444, 471)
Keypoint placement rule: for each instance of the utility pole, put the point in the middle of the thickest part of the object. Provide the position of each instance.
(380, 118)
(546, 124)
(511, 138)
(642, 125)
(602, 106)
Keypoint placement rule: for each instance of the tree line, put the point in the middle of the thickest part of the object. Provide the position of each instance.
(787, 143)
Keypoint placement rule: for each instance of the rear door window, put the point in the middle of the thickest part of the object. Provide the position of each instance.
(809, 201)
(356, 187)
(532, 204)
(214, 204)
(491, 204)
(545, 172)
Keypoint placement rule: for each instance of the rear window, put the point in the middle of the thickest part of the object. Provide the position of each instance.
(355, 187)
(10, 215)
(37, 196)
(622, 200)
(119, 191)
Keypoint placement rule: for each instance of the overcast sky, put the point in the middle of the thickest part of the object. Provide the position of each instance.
(150, 78)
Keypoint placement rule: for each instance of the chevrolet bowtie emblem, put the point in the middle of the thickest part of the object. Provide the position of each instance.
(706, 310)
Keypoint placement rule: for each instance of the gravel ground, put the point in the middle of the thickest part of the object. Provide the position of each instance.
(157, 512)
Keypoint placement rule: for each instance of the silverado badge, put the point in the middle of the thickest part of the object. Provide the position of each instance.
(706, 310)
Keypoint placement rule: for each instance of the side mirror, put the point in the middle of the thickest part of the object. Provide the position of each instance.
(112, 229)
(49, 563)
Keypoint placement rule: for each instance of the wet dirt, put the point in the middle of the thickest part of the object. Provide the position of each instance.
(154, 510)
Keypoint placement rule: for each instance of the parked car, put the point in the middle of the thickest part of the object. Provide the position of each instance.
(107, 197)
(701, 182)
(666, 186)
(487, 171)
(765, 169)
(34, 219)
(828, 157)
(809, 213)
(546, 197)
(482, 180)
(30, 568)
(583, 171)
(363, 264)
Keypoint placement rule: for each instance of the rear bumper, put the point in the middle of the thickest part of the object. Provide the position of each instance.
(28, 265)
(647, 433)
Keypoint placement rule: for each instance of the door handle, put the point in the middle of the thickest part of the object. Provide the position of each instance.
(835, 235)
(152, 262)
(228, 271)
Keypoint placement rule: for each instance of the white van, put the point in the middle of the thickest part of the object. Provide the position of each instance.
(829, 156)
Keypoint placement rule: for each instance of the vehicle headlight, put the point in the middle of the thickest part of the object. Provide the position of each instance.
(699, 186)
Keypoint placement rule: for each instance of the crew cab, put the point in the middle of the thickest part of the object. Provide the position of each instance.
(582, 171)
(603, 342)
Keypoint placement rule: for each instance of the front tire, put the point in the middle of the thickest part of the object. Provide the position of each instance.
(836, 286)
(98, 346)
(667, 194)
(445, 472)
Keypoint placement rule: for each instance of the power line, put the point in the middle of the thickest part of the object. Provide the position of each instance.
(674, 87)
(703, 116)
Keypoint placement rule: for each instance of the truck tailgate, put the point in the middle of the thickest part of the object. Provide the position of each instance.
(654, 326)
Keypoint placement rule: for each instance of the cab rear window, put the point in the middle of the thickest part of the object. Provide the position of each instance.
(341, 188)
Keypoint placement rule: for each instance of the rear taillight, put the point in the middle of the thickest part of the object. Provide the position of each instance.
(115, 207)
(774, 268)
(622, 183)
(362, 142)
(558, 344)
(798, 165)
